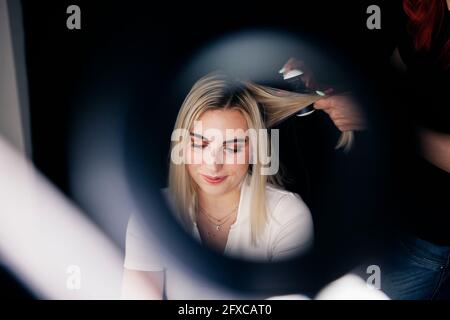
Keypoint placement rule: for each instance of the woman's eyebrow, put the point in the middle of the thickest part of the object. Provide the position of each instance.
(234, 140)
(196, 135)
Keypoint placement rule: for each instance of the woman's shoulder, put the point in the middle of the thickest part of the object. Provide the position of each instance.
(285, 206)
(276, 194)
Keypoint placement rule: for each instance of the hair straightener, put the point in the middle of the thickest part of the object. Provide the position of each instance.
(296, 84)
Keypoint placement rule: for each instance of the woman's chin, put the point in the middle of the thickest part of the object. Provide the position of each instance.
(213, 190)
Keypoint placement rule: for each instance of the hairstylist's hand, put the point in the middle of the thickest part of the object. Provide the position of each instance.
(307, 77)
(344, 112)
(342, 109)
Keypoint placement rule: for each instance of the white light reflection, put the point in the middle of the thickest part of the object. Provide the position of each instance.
(44, 238)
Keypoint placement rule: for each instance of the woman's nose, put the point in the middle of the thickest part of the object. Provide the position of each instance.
(213, 157)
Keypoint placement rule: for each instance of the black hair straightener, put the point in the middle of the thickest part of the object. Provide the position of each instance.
(296, 84)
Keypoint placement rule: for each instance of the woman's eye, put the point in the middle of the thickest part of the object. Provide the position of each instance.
(198, 146)
(235, 149)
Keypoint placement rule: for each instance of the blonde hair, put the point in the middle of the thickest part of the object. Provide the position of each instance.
(261, 107)
(279, 105)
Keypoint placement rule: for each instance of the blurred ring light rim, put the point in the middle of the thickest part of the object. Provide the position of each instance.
(306, 273)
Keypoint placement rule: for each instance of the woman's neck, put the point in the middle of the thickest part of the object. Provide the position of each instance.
(219, 206)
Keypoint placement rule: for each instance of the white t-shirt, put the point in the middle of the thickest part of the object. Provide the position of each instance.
(289, 231)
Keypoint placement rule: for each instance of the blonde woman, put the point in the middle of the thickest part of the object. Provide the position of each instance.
(221, 186)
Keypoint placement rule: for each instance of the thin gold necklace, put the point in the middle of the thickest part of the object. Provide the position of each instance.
(218, 223)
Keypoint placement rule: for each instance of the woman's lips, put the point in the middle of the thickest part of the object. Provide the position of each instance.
(213, 180)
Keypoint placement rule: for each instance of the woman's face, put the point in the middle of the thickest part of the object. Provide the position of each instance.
(220, 146)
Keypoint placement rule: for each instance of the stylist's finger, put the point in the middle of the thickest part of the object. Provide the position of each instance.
(324, 103)
(333, 102)
(308, 80)
(292, 64)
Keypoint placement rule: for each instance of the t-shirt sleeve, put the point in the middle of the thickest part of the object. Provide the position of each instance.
(141, 251)
(295, 232)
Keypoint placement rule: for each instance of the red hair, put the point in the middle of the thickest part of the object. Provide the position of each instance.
(425, 18)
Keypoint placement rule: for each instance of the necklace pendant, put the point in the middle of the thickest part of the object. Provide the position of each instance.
(218, 228)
